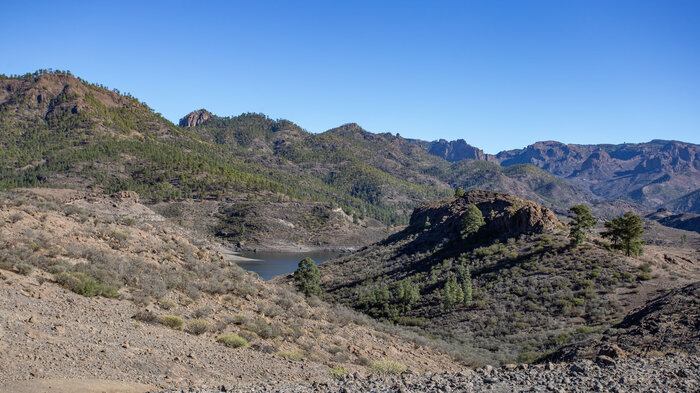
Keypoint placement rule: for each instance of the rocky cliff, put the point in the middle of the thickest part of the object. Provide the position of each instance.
(195, 118)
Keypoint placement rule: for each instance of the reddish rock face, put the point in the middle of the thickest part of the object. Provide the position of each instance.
(195, 118)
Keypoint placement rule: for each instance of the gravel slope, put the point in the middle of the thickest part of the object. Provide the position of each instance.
(663, 374)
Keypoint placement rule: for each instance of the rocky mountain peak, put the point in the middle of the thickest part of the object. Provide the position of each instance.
(456, 150)
(193, 119)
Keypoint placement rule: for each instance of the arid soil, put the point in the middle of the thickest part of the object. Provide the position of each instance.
(48, 332)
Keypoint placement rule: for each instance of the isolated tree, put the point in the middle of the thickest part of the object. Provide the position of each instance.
(465, 279)
(453, 294)
(407, 293)
(307, 277)
(459, 192)
(625, 233)
(472, 221)
(580, 225)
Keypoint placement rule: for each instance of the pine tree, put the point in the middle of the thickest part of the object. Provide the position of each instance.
(580, 224)
(307, 277)
(453, 294)
(472, 221)
(465, 280)
(626, 233)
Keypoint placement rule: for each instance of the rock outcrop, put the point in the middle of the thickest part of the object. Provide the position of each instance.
(195, 118)
(505, 215)
(456, 150)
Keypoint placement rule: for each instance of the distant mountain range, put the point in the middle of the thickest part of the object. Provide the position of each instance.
(57, 130)
(655, 174)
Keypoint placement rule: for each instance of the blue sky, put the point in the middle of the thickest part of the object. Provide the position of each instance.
(499, 74)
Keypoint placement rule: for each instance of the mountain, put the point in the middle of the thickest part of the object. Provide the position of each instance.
(60, 131)
(685, 221)
(530, 291)
(342, 153)
(453, 151)
(652, 174)
(687, 203)
(260, 178)
(523, 180)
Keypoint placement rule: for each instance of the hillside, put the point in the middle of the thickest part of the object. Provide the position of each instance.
(652, 174)
(263, 183)
(525, 180)
(530, 292)
(669, 323)
(97, 286)
(389, 172)
(60, 131)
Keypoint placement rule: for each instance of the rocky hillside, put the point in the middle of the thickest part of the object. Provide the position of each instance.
(667, 324)
(95, 286)
(652, 174)
(393, 174)
(648, 173)
(512, 291)
(685, 221)
(657, 374)
(61, 131)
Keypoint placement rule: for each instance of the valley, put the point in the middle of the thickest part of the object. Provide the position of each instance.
(127, 244)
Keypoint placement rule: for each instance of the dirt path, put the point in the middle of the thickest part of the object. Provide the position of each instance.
(58, 385)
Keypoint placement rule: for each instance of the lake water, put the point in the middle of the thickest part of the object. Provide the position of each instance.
(271, 264)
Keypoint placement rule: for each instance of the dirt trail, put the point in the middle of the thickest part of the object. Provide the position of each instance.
(74, 386)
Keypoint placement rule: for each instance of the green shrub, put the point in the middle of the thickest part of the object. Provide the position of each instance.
(82, 284)
(586, 330)
(232, 340)
(387, 367)
(118, 235)
(166, 304)
(528, 356)
(197, 326)
(337, 372)
(128, 221)
(171, 321)
(292, 355)
(24, 268)
(644, 276)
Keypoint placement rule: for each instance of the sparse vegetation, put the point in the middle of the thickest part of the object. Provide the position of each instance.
(386, 367)
(197, 326)
(292, 355)
(232, 340)
(171, 321)
(337, 372)
(83, 284)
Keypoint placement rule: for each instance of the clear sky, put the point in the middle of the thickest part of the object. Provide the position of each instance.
(499, 74)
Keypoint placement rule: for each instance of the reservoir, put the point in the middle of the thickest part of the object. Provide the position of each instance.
(271, 264)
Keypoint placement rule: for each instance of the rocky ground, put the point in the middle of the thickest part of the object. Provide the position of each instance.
(50, 332)
(661, 374)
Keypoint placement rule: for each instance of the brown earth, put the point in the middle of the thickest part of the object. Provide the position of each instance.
(49, 332)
